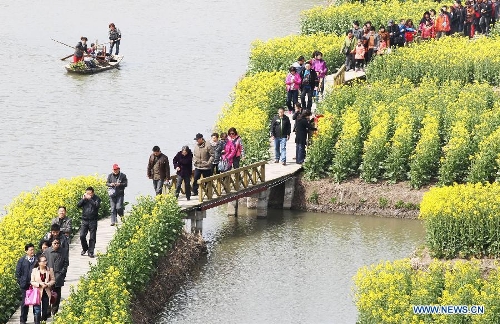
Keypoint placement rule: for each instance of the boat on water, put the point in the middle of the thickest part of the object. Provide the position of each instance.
(95, 65)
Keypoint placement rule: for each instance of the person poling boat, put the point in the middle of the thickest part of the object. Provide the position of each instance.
(80, 50)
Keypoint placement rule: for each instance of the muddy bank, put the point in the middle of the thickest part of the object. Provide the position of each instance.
(357, 197)
(171, 273)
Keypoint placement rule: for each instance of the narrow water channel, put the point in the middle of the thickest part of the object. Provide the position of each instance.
(294, 267)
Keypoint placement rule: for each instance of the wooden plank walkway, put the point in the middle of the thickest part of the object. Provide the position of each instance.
(351, 75)
(80, 265)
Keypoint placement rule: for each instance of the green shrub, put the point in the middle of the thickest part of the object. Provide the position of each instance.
(348, 147)
(256, 99)
(401, 146)
(279, 54)
(425, 159)
(441, 59)
(375, 146)
(103, 296)
(462, 220)
(485, 163)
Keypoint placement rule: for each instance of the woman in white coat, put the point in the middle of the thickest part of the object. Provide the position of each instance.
(43, 279)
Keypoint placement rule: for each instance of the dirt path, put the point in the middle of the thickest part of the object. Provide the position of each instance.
(357, 197)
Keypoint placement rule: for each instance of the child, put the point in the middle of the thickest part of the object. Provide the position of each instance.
(382, 47)
(359, 55)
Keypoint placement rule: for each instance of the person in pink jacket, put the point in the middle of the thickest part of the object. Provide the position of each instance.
(319, 65)
(229, 152)
(292, 82)
(359, 55)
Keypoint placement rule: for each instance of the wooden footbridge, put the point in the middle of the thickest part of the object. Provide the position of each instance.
(254, 181)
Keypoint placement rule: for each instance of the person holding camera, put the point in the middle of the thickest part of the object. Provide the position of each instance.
(90, 204)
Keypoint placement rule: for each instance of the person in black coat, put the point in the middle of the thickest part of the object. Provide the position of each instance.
(23, 275)
(302, 128)
(90, 204)
(395, 39)
(280, 133)
(58, 262)
(183, 164)
(309, 83)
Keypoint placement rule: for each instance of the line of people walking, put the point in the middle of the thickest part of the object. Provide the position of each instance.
(40, 275)
(222, 153)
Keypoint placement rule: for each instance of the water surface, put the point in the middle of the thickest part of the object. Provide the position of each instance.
(294, 267)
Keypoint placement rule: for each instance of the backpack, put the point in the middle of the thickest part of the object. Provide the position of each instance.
(306, 80)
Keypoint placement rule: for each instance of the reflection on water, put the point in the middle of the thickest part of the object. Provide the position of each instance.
(293, 267)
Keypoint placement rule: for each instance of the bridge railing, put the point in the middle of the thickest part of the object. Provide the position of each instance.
(339, 76)
(232, 181)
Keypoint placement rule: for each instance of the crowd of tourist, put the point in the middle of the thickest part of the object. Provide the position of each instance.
(361, 44)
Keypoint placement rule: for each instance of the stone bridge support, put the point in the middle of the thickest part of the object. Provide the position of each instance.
(289, 191)
(262, 203)
(232, 208)
(196, 217)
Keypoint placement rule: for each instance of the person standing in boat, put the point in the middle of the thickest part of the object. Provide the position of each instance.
(115, 36)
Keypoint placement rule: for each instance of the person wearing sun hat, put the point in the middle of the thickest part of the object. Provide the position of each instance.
(117, 181)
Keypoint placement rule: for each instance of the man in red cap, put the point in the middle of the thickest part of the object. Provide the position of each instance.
(117, 181)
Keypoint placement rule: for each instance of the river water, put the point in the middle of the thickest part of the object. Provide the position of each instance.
(181, 61)
(293, 267)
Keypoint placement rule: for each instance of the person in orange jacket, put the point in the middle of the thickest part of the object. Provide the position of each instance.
(442, 24)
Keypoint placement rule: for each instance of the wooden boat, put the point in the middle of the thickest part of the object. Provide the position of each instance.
(99, 65)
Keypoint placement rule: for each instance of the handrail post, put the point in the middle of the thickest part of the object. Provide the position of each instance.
(200, 190)
(237, 181)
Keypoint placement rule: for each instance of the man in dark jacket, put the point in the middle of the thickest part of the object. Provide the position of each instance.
(303, 126)
(23, 276)
(308, 85)
(280, 133)
(58, 262)
(484, 20)
(55, 233)
(158, 169)
(395, 39)
(90, 204)
(117, 181)
(183, 164)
